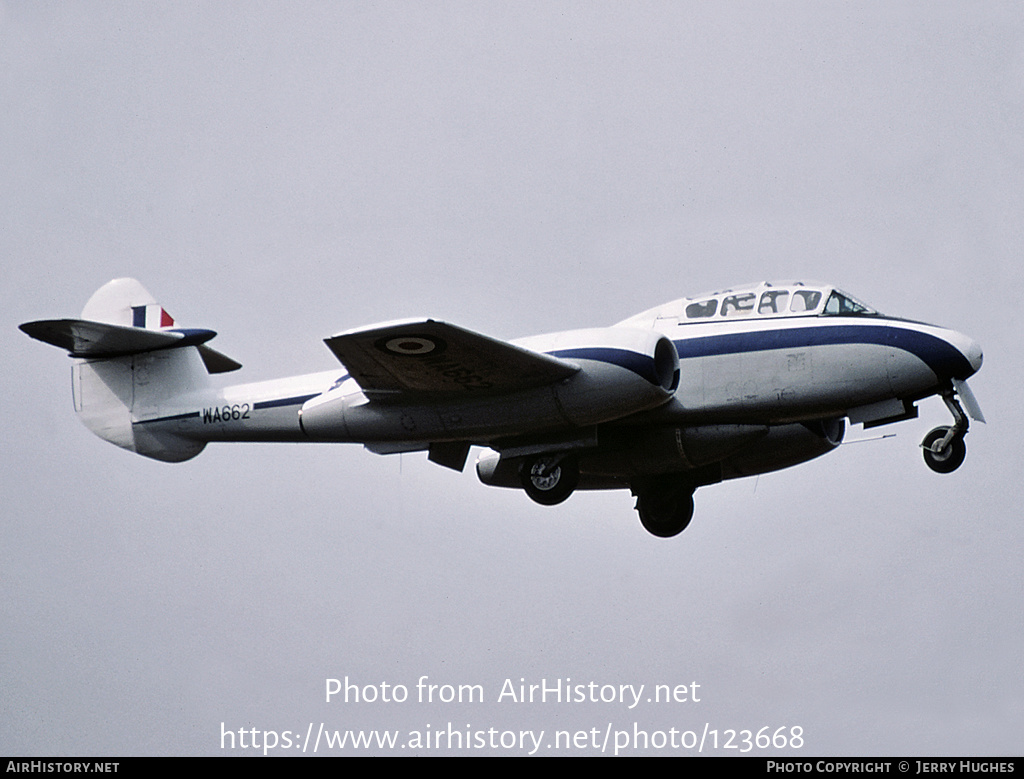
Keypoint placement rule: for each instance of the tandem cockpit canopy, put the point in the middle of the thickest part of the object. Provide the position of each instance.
(765, 300)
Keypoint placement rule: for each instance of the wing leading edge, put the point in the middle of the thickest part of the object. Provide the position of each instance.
(425, 359)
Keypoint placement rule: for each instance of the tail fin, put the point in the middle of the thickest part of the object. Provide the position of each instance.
(122, 318)
(127, 303)
(132, 364)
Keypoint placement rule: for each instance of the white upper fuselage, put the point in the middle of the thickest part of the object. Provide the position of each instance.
(691, 393)
(778, 352)
(767, 353)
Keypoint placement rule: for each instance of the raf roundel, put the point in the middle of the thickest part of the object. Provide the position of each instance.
(411, 345)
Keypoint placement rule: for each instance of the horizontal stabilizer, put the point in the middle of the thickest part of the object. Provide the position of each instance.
(421, 359)
(94, 340)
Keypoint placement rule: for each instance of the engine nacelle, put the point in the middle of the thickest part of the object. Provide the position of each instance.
(621, 371)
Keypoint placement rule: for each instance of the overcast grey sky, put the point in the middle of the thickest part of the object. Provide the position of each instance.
(279, 172)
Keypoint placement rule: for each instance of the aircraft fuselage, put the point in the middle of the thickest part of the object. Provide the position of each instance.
(689, 393)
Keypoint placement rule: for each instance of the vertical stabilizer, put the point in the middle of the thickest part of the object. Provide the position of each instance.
(127, 303)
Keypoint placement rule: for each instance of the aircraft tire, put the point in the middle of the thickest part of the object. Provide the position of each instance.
(665, 511)
(950, 458)
(549, 480)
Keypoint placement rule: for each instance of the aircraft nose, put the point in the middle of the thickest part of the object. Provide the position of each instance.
(974, 355)
(965, 360)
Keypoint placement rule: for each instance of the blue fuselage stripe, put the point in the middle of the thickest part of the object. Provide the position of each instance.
(171, 418)
(943, 358)
(295, 401)
(259, 406)
(640, 364)
(939, 355)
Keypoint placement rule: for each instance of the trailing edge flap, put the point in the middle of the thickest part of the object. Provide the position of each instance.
(93, 340)
(422, 359)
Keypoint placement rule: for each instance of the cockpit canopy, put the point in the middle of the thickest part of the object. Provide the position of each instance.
(757, 301)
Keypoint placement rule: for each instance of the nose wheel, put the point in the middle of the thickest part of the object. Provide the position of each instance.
(944, 448)
(944, 456)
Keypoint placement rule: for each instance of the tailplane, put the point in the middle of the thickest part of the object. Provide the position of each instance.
(132, 364)
(122, 318)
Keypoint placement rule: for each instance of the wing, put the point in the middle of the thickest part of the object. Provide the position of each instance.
(425, 359)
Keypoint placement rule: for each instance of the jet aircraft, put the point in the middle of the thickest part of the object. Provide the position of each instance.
(687, 394)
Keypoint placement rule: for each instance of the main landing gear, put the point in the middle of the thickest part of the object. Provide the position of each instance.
(550, 478)
(944, 448)
(665, 506)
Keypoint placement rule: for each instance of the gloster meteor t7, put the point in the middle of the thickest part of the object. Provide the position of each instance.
(687, 394)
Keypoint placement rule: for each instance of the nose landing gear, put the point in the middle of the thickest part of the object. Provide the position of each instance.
(944, 456)
(944, 448)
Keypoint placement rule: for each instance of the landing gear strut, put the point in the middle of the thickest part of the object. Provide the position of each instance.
(665, 507)
(550, 478)
(944, 447)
